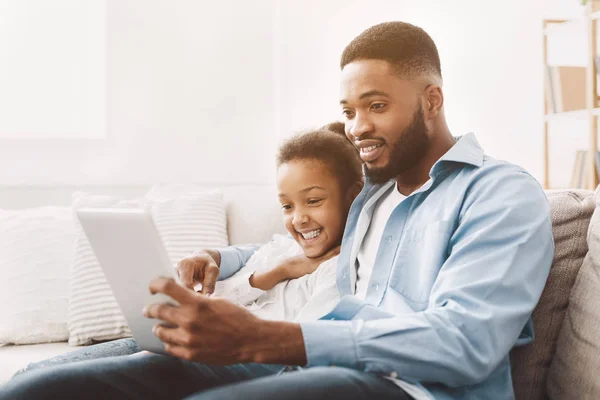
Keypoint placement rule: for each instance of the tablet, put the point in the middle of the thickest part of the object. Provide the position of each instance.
(131, 254)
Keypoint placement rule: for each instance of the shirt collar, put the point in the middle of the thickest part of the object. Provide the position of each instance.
(466, 150)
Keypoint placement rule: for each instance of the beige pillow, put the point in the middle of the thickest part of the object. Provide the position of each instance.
(185, 224)
(575, 369)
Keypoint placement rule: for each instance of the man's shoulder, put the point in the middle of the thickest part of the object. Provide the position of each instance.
(506, 183)
(494, 172)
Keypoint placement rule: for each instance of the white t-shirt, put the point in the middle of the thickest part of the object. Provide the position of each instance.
(370, 244)
(307, 298)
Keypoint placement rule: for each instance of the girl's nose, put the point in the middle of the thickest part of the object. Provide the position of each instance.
(300, 219)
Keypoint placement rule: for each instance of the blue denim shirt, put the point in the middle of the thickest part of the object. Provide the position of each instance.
(461, 265)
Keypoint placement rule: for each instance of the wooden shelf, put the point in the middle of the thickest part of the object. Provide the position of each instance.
(585, 25)
(576, 114)
(555, 26)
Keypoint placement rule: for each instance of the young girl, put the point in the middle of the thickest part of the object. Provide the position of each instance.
(319, 174)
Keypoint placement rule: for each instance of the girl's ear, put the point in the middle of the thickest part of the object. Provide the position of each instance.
(354, 190)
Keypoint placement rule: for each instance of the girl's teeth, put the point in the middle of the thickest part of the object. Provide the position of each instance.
(311, 234)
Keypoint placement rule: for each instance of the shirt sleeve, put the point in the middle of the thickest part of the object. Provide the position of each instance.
(238, 289)
(499, 259)
(233, 258)
(324, 296)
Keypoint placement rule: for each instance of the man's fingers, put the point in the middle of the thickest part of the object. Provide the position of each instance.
(179, 351)
(164, 312)
(210, 279)
(169, 287)
(172, 335)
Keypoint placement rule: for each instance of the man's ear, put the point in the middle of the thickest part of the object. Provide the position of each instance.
(434, 101)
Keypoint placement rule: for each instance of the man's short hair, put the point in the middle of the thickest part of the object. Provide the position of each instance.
(329, 147)
(408, 48)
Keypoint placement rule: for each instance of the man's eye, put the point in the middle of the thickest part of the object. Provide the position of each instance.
(314, 201)
(348, 113)
(378, 106)
(286, 207)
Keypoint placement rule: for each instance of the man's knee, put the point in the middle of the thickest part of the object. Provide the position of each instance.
(314, 383)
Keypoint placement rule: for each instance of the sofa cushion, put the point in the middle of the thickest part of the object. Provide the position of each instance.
(575, 369)
(253, 211)
(13, 358)
(36, 247)
(571, 211)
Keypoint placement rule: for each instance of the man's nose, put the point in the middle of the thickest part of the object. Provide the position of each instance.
(360, 125)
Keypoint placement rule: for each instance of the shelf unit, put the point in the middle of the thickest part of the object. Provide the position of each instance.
(592, 112)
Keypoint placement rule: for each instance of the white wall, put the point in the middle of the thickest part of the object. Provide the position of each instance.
(203, 90)
(491, 55)
(189, 98)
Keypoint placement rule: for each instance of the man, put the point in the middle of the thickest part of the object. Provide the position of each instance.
(445, 254)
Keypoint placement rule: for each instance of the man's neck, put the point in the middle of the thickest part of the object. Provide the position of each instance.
(412, 179)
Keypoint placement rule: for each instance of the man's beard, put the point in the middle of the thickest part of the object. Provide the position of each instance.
(409, 149)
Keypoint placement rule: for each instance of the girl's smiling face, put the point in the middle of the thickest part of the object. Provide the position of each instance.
(313, 204)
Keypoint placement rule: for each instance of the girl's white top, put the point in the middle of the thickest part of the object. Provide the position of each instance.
(303, 299)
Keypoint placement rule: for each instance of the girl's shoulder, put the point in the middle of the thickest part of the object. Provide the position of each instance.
(279, 248)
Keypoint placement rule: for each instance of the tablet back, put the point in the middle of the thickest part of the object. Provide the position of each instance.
(131, 254)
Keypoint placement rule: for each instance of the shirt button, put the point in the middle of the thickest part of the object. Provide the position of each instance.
(376, 286)
(389, 239)
(344, 275)
(393, 375)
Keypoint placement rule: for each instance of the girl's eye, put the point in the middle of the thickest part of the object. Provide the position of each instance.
(378, 106)
(314, 201)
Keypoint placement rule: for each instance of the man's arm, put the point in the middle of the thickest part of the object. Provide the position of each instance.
(233, 258)
(500, 256)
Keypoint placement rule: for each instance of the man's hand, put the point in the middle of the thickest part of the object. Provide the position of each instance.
(298, 266)
(200, 267)
(216, 331)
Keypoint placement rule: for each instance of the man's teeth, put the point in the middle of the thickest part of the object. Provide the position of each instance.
(311, 234)
(369, 149)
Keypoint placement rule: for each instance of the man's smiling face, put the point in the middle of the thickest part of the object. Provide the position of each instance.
(383, 118)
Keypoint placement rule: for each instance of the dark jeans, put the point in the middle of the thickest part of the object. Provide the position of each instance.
(153, 376)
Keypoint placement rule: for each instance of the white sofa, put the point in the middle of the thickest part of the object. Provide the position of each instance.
(253, 216)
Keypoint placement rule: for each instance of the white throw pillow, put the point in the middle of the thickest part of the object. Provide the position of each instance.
(185, 224)
(253, 211)
(36, 250)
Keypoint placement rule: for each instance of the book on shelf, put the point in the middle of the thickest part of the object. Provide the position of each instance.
(565, 89)
(577, 172)
(581, 169)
